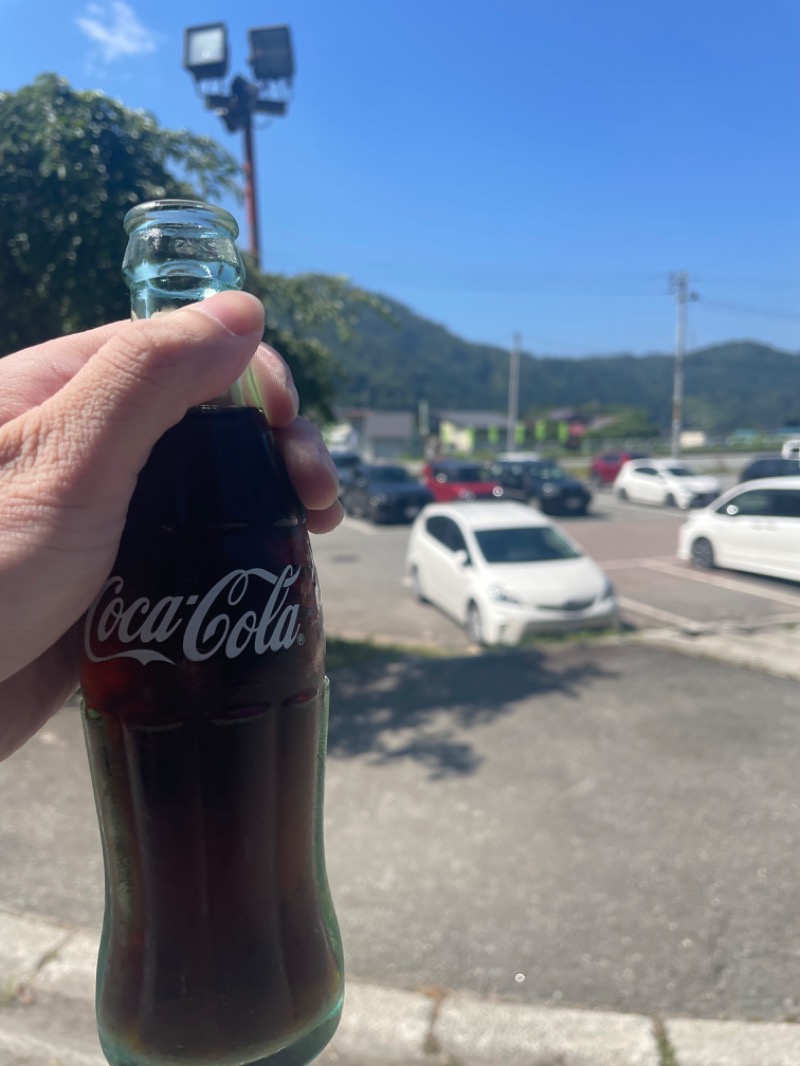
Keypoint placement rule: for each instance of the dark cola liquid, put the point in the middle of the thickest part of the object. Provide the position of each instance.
(205, 720)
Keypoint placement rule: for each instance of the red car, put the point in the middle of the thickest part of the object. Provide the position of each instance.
(453, 479)
(605, 467)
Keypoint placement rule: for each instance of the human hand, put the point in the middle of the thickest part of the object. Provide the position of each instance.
(78, 418)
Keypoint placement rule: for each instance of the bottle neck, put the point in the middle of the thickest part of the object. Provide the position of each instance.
(180, 252)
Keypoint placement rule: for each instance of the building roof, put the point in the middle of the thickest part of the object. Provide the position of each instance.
(388, 425)
(474, 419)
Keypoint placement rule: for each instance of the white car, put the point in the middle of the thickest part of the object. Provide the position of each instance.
(665, 482)
(502, 570)
(754, 527)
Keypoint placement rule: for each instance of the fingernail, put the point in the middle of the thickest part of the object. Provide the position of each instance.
(327, 459)
(290, 385)
(238, 313)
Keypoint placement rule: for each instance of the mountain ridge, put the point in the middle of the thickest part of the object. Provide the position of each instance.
(398, 359)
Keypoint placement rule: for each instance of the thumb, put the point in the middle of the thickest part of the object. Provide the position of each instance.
(107, 418)
(68, 467)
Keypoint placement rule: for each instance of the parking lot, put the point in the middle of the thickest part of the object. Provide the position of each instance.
(361, 570)
(599, 825)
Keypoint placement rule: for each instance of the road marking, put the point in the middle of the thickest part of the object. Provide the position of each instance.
(658, 615)
(623, 564)
(722, 582)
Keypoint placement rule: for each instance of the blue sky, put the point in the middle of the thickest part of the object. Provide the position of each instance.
(500, 166)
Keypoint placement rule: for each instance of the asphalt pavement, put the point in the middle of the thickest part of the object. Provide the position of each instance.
(46, 966)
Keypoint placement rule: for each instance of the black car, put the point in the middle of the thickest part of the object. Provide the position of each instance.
(770, 466)
(384, 493)
(543, 483)
(347, 466)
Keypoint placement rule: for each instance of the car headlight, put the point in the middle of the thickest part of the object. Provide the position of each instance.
(501, 595)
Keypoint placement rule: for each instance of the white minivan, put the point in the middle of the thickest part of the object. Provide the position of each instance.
(754, 527)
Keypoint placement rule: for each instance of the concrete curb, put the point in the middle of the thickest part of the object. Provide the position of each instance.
(771, 649)
(47, 1019)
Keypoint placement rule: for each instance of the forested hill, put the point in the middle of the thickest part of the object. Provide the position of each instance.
(393, 363)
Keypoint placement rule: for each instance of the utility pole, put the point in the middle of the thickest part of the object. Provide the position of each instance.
(513, 393)
(679, 287)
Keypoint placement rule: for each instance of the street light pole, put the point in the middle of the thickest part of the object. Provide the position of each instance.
(251, 200)
(272, 63)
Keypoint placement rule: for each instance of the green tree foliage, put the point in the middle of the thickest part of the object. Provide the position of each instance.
(629, 423)
(301, 311)
(71, 165)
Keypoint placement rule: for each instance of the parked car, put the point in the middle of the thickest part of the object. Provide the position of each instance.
(668, 482)
(455, 479)
(604, 468)
(753, 527)
(770, 466)
(543, 483)
(346, 463)
(384, 493)
(503, 570)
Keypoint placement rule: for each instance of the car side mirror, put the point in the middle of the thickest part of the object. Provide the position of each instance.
(462, 558)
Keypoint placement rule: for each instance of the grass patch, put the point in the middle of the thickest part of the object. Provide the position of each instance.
(340, 653)
(665, 1050)
(575, 636)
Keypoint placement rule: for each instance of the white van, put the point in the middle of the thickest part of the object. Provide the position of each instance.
(754, 527)
(791, 449)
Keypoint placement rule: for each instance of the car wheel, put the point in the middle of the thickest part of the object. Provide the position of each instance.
(416, 586)
(703, 554)
(669, 500)
(474, 625)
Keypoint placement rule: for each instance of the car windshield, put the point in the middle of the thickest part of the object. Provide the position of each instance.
(547, 471)
(526, 544)
(390, 474)
(464, 473)
(680, 471)
(345, 462)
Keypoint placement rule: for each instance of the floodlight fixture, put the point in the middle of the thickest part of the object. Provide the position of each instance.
(271, 57)
(205, 56)
(205, 51)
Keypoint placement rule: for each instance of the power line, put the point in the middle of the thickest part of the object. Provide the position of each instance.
(747, 309)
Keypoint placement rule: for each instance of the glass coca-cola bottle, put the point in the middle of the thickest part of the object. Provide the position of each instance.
(205, 716)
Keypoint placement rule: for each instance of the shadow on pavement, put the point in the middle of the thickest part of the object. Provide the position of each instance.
(418, 709)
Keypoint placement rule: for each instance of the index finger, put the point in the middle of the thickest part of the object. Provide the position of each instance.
(33, 375)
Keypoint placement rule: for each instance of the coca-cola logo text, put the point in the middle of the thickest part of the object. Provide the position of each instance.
(211, 624)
